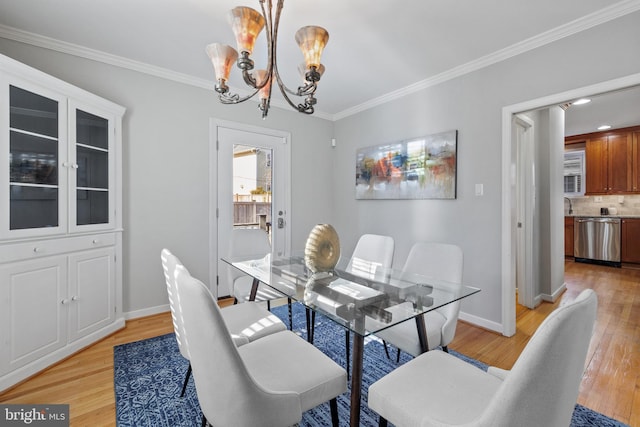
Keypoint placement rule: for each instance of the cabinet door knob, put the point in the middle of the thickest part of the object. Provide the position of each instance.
(74, 298)
(64, 301)
(37, 250)
(96, 241)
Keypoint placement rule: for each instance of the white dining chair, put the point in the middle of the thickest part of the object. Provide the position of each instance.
(246, 322)
(441, 261)
(267, 382)
(373, 253)
(251, 242)
(438, 389)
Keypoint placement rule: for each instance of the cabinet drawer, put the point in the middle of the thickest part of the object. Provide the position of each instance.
(38, 248)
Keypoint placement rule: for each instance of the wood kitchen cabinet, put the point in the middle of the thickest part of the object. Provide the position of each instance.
(636, 159)
(630, 240)
(568, 236)
(610, 164)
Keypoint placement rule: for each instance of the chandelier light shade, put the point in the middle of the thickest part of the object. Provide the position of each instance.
(312, 41)
(262, 78)
(223, 57)
(247, 24)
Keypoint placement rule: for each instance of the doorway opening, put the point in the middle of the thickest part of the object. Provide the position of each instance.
(510, 195)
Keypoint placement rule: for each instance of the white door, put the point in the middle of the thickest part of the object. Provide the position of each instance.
(257, 185)
(33, 310)
(525, 207)
(91, 291)
(93, 168)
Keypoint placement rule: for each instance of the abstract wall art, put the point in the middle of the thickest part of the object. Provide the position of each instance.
(418, 168)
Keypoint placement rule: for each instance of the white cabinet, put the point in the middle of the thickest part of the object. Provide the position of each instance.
(91, 297)
(32, 315)
(60, 220)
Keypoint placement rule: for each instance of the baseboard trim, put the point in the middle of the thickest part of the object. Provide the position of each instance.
(23, 373)
(481, 322)
(147, 312)
(554, 296)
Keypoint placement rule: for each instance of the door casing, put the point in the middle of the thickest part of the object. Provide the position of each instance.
(224, 134)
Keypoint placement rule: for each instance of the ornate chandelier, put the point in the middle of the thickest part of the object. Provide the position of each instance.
(246, 24)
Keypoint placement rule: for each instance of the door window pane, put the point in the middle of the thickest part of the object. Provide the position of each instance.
(33, 113)
(93, 169)
(92, 175)
(33, 207)
(93, 207)
(33, 160)
(92, 130)
(252, 176)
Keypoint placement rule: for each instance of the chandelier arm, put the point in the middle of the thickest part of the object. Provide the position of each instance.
(303, 108)
(228, 98)
(250, 80)
(271, 34)
(306, 108)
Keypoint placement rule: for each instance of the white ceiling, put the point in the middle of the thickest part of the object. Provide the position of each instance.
(377, 48)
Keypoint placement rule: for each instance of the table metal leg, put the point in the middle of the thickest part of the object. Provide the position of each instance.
(422, 333)
(356, 379)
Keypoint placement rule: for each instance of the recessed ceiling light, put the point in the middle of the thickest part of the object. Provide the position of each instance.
(604, 127)
(581, 101)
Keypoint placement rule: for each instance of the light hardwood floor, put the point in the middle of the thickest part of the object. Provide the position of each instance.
(610, 385)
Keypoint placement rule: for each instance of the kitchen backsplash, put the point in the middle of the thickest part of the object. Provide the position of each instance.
(588, 205)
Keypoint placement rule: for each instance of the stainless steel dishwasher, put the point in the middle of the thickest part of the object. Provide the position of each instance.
(597, 240)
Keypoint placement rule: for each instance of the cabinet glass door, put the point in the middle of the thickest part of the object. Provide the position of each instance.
(93, 166)
(33, 160)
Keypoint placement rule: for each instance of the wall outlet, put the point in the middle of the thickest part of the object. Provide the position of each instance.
(598, 198)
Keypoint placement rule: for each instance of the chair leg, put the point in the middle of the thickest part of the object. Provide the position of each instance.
(398, 356)
(205, 423)
(269, 305)
(445, 349)
(186, 380)
(386, 349)
(333, 404)
(382, 422)
(290, 314)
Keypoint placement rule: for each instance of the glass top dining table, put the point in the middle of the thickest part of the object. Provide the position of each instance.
(355, 295)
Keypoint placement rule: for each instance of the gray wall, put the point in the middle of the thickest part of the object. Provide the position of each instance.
(166, 171)
(166, 165)
(473, 104)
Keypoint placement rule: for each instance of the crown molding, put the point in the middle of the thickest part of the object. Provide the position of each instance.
(586, 22)
(99, 56)
(589, 21)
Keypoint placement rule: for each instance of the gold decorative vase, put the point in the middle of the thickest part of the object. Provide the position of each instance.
(322, 251)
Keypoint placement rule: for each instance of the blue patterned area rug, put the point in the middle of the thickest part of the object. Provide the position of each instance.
(149, 375)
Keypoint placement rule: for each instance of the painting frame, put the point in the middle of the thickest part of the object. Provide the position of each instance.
(413, 169)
